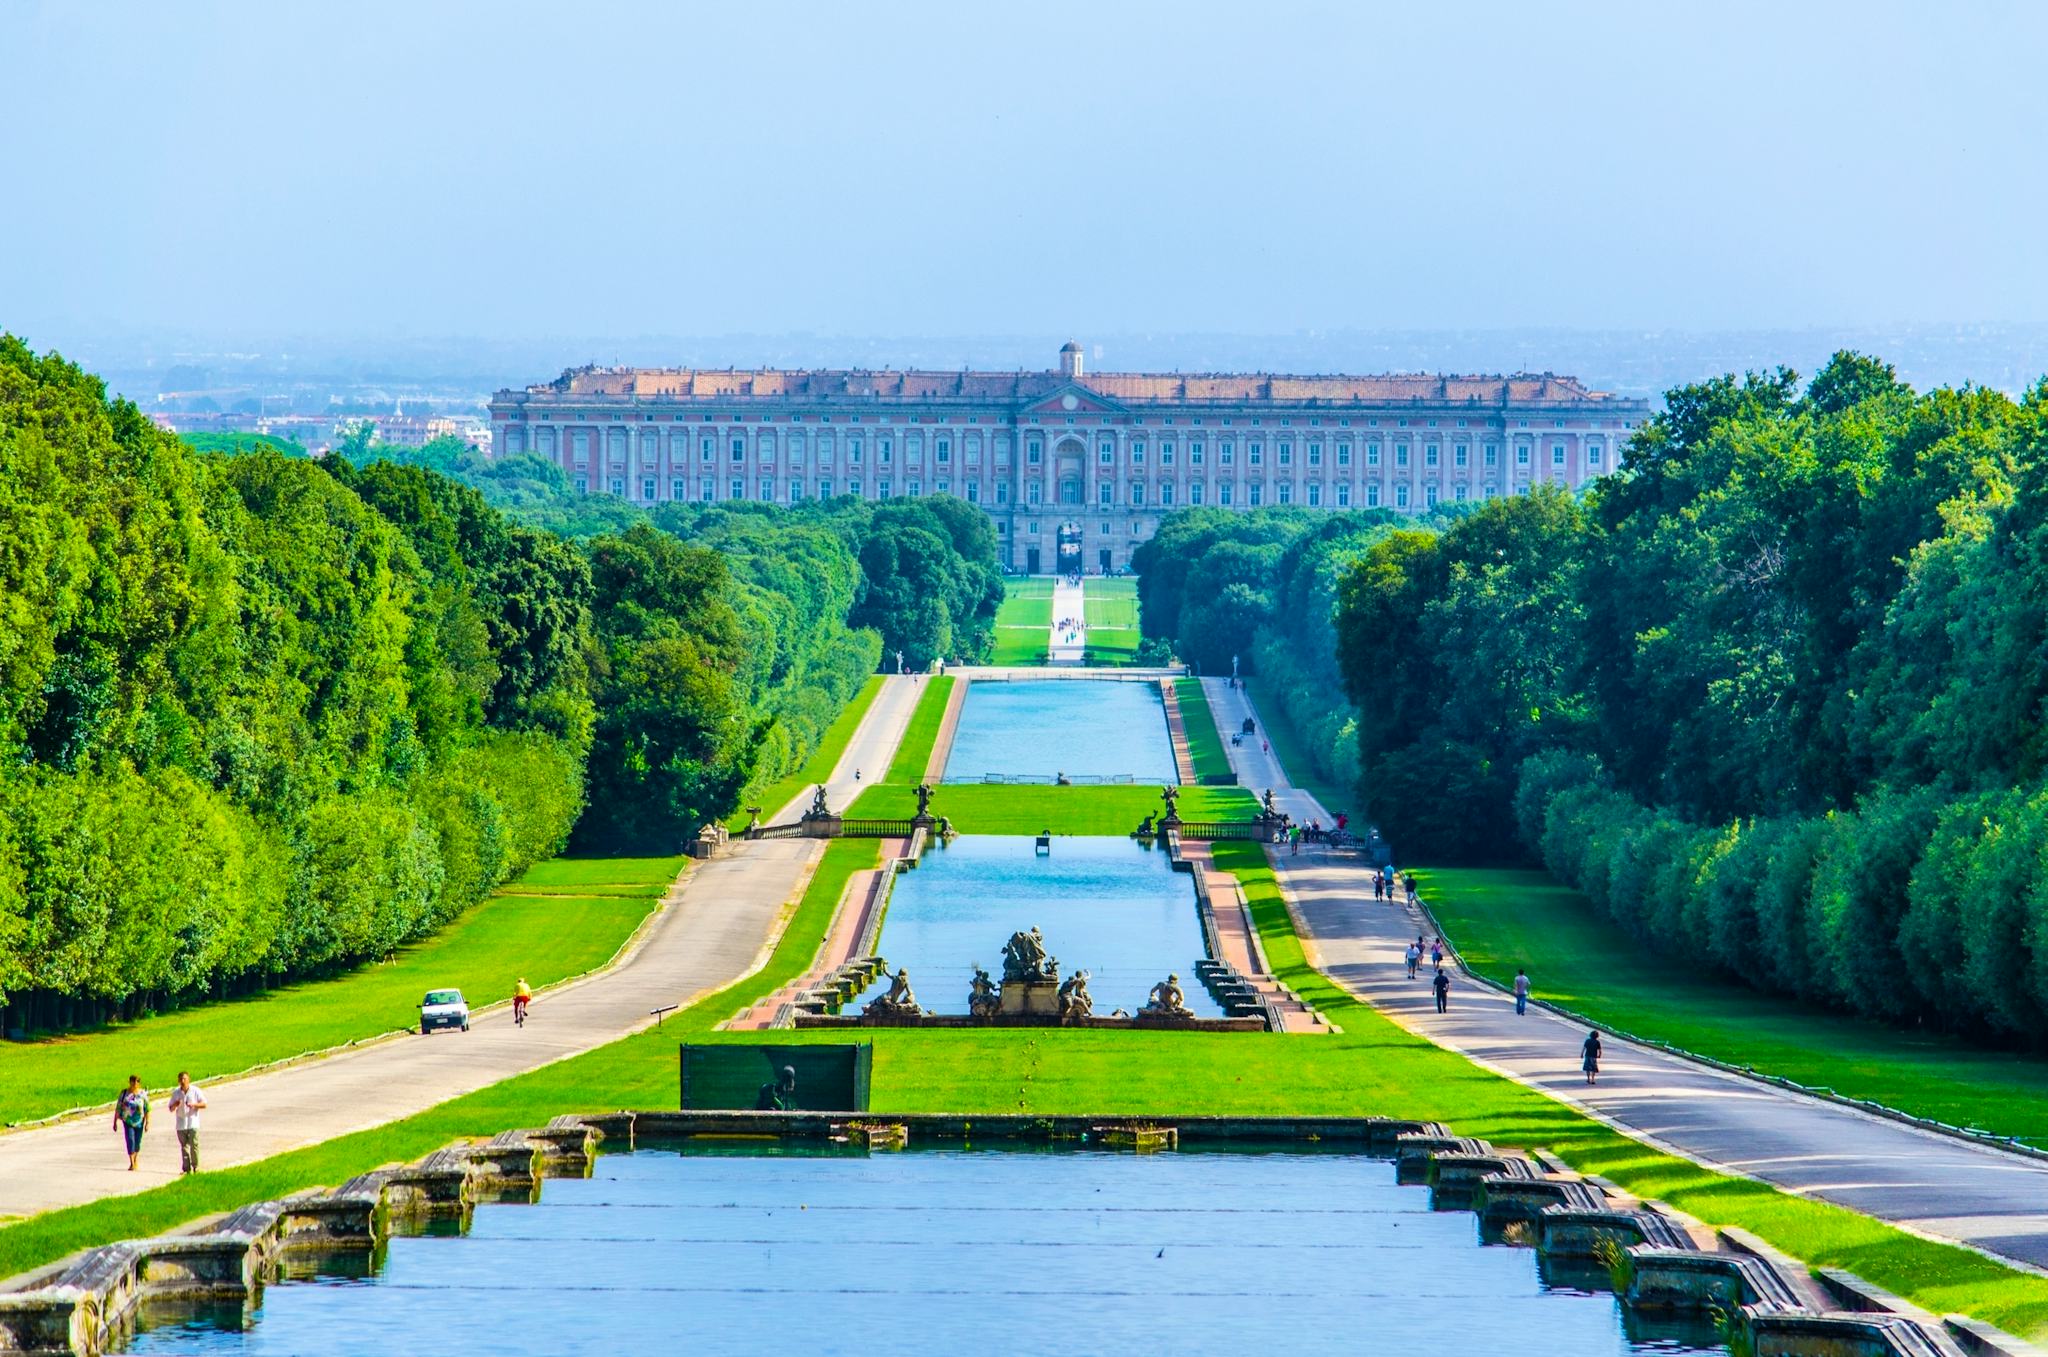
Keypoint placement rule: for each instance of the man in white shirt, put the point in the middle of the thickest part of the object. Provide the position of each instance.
(186, 1103)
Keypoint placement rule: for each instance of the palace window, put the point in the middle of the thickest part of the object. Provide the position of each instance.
(1228, 452)
(885, 451)
(705, 490)
(1400, 454)
(1429, 455)
(1458, 493)
(1105, 453)
(1255, 492)
(676, 490)
(767, 491)
(706, 449)
(1493, 454)
(916, 489)
(1315, 454)
(945, 447)
(1343, 454)
(974, 492)
(1105, 494)
(739, 489)
(1343, 497)
(1195, 493)
(1372, 454)
(1400, 497)
(1487, 493)
(1557, 454)
(1137, 454)
(796, 491)
(1137, 494)
(1031, 493)
(1287, 454)
(1429, 495)
(1195, 453)
(882, 489)
(583, 485)
(1372, 496)
(1460, 455)
(1002, 492)
(1166, 494)
(1223, 494)
(739, 450)
(647, 489)
(943, 488)
(1166, 452)
(1255, 453)
(1315, 495)
(1593, 453)
(1521, 454)
(1034, 450)
(1287, 492)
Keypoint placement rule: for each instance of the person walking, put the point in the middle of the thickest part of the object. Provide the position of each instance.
(186, 1103)
(1521, 991)
(1442, 985)
(1589, 1056)
(1436, 954)
(1414, 955)
(131, 1116)
(522, 995)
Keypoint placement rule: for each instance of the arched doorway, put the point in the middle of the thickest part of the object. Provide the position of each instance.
(1070, 548)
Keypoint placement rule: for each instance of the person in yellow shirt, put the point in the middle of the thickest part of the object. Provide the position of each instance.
(521, 997)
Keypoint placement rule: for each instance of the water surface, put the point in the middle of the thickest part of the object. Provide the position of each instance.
(1110, 906)
(1040, 728)
(943, 1253)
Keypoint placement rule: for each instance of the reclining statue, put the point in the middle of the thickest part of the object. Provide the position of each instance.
(899, 1002)
(1167, 1001)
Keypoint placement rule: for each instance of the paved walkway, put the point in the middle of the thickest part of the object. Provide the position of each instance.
(1931, 1183)
(715, 927)
(1069, 604)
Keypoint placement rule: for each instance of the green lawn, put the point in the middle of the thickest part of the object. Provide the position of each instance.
(1577, 957)
(914, 753)
(986, 808)
(559, 920)
(1024, 622)
(1205, 746)
(1373, 1067)
(1110, 609)
(818, 767)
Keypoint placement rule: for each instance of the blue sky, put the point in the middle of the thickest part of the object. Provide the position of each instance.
(418, 169)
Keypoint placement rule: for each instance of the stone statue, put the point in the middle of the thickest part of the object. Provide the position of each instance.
(1271, 809)
(924, 800)
(1025, 958)
(1170, 795)
(899, 1002)
(819, 810)
(982, 996)
(1075, 1001)
(1144, 830)
(779, 1096)
(1167, 1000)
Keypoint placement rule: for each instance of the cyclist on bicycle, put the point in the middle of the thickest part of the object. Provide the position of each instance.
(521, 997)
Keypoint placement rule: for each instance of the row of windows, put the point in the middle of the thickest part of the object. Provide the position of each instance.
(1254, 455)
(736, 488)
(720, 417)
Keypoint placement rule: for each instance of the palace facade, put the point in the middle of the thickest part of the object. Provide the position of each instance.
(1075, 468)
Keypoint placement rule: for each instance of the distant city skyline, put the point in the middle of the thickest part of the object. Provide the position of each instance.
(398, 171)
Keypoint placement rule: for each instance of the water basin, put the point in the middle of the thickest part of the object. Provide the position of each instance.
(1111, 906)
(943, 1252)
(1092, 730)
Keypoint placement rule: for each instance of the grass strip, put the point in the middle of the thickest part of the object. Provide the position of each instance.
(1024, 623)
(1293, 754)
(635, 1071)
(989, 808)
(915, 751)
(1205, 746)
(818, 767)
(542, 927)
(1580, 959)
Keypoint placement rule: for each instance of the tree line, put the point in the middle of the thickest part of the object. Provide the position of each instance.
(263, 716)
(1772, 695)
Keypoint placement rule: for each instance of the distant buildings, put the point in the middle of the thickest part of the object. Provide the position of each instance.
(1075, 469)
(321, 433)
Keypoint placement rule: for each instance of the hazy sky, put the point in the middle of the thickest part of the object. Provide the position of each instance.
(357, 169)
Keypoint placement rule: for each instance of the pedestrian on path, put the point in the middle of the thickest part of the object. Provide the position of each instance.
(131, 1116)
(1414, 955)
(1436, 954)
(1589, 1056)
(522, 995)
(1521, 991)
(1379, 887)
(186, 1103)
(1442, 985)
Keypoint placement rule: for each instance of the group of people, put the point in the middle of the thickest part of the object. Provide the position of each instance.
(1590, 1050)
(1069, 629)
(1388, 884)
(132, 1113)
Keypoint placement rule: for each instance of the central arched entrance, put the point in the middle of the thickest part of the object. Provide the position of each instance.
(1070, 548)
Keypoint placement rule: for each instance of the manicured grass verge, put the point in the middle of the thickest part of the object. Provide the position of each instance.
(818, 767)
(636, 1071)
(915, 751)
(1293, 755)
(560, 919)
(1024, 622)
(1205, 746)
(1110, 608)
(1372, 1067)
(1581, 959)
(983, 808)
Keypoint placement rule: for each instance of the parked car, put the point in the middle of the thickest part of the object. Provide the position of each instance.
(443, 1008)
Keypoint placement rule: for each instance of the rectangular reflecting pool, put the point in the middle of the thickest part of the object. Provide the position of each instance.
(1109, 906)
(1092, 729)
(942, 1253)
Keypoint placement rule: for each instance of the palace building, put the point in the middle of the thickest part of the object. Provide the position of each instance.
(1075, 468)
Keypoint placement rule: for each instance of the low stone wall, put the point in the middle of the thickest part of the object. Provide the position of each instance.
(1139, 1022)
(1656, 1260)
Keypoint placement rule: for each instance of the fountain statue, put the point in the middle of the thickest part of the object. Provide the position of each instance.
(1075, 1001)
(982, 996)
(1167, 1000)
(924, 800)
(819, 810)
(1025, 959)
(899, 1002)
